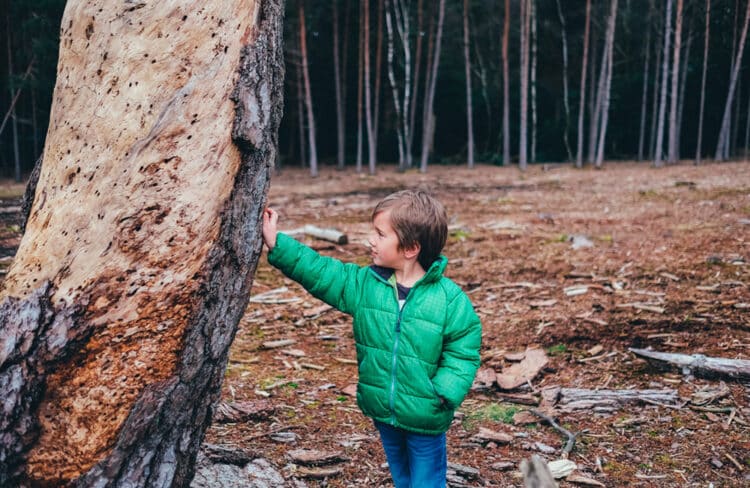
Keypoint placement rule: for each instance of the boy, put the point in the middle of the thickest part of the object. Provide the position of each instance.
(416, 333)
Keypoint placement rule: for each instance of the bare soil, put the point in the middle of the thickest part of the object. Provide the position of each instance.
(668, 268)
(676, 239)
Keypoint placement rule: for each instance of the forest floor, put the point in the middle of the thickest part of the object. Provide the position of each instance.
(582, 264)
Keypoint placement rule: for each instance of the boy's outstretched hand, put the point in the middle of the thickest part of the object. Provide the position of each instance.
(270, 219)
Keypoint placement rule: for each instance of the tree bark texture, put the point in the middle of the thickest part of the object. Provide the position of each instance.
(117, 313)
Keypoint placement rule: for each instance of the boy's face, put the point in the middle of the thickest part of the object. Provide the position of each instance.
(384, 245)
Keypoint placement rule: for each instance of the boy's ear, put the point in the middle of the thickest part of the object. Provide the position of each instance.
(413, 251)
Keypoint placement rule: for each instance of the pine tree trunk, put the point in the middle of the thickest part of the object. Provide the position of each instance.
(605, 104)
(683, 85)
(467, 70)
(706, 36)
(308, 92)
(524, 81)
(340, 141)
(644, 92)
(532, 12)
(724, 132)
(12, 111)
(506, 85)
(566, 95)
(415, 86)
(360, 87)
(664, 81)
(655, 102)
(582, 101)
(368, 96)
(672, 144)
(400, 119)
(429, 131)
(117, 313)
(301, 112)
(378, 71)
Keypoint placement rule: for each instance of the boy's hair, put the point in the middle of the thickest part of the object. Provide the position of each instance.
(418, 218)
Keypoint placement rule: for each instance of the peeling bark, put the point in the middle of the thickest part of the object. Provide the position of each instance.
(117, 314)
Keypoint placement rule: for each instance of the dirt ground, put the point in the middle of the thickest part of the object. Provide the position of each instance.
(667, 269)
(582, 264)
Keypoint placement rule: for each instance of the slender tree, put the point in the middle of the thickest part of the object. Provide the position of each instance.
(610, 42)
(378, 72)
(664, 81)
(506, 84)
(308, 91)
(337, 83)
(428, 134)
(371, 153)
(672, 153)
(532, 20)
(360, 86)
(467, 70)
(566, 95)
(524, 19)
(644, 91)
(415, 85)
(683, 85)
(582, 101)
(655, 97)
(721, 147)
(706, 35)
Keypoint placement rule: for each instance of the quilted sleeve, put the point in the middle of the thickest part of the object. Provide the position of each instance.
(326, 278)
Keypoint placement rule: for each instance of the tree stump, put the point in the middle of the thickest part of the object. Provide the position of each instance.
(134, 270)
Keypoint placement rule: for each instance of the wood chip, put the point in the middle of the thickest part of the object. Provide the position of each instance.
(316, 367)
(573, 291)
(299, 353)
(345, 361)
(279, 343)
(543, 303)
(583, 480)
(560, 468)
(318, 473)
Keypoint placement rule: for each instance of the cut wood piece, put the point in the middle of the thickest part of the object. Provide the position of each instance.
(698, 364)
(570, 399)
(330, 235)
(520, 373)
(317, 473)
(312, 457)
(142, 240)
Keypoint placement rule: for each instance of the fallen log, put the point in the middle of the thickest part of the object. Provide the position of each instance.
(570, 399)
(698, 364)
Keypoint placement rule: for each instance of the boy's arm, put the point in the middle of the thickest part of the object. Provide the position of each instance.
(460, 358)
(326, 278)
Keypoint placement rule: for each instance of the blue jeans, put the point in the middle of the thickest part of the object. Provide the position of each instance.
(415, 460)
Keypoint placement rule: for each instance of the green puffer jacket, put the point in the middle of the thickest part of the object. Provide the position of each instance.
(408, 360)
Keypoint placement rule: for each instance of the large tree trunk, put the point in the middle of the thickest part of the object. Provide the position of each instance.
(117, 313)
(582, 101)
(703, 84)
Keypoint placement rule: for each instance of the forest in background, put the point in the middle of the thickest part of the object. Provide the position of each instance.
(550, 81)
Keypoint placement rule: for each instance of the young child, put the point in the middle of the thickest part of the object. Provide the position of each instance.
(416, 333)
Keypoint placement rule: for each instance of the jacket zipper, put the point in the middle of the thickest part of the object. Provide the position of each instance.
(394, 355)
